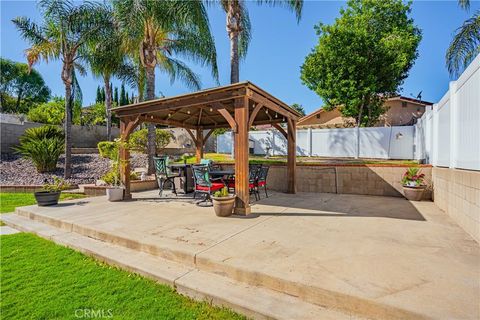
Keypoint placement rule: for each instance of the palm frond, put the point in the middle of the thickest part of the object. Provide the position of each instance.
(29, 30)
(177, 70)
(464, 4)
(294, 5)
(246, 35)
(464, 46)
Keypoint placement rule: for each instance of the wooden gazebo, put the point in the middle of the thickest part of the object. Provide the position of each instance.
(238, 106)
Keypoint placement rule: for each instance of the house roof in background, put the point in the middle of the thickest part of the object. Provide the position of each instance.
(400, 98)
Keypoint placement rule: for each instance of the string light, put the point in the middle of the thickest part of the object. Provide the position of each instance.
(211, 109)
(169, 115)
(276, 115)
(266, 111)
(188, 111)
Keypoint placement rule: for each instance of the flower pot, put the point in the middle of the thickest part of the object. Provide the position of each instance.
(223, 206)
(414, 193)
(47, 198)
(114, 194)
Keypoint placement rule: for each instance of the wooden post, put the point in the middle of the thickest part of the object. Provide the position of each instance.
(291, 157)
(125, 160)
(199, 145)
(242, 204)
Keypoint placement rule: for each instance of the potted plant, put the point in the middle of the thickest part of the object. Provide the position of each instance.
(223, 203)
(51, 192)
(110, 150)
(413, 184)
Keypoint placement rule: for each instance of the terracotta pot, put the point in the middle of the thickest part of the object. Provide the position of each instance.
(414, 193)
(114, 194)
(223, 206)
(47, 198)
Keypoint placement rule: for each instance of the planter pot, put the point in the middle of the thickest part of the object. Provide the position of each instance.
(414, 193)
(223, 206)
(114, 194)
(47, 198)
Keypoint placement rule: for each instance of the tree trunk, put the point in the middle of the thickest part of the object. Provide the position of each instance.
(19, 98)
(233, 30)
(108, 106)
(150, 74)
(68, 130)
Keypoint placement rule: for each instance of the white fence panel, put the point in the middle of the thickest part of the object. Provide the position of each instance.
(467, 118)
(334, 142)
(442, 131)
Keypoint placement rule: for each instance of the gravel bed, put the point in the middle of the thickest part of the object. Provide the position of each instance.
(87, 168)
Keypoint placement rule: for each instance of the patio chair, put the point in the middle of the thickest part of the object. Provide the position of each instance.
(203, 184)
(163, 174)
(262, 180)
(254, 171)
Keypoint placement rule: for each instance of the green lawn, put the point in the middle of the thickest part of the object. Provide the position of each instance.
(9, 201)
(227, 158)
(42, 280)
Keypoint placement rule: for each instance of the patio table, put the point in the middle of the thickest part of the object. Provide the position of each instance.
(186, 173)
(221, 173)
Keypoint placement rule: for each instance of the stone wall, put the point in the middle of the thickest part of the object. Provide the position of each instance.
(377, 180)
(82, 136)
(457, 192)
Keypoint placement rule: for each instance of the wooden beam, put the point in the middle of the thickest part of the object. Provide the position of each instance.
(242, 204)
(199, 145)
(207, 136)
(291, 156)
(255, 123)
(165, 122)
(199, 116)
(194, 138)
(279, 128)
(254, 114)
(272, 106)
(231, 121)
(181, 102)
(127, 125)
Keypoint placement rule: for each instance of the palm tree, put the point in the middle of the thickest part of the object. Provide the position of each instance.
(107, 58)
(239, 27)
(465, 45)
(156, 31)
(63, 35)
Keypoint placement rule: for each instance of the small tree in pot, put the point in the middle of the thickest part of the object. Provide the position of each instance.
(413, 184)
(51, 192)
(223, 203)
(111, 150)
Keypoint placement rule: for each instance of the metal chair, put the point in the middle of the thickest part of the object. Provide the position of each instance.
(203, 184)
(163, 174)
(254, 171)
(262, 180)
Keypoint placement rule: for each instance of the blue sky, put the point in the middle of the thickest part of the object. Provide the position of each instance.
(277, 51)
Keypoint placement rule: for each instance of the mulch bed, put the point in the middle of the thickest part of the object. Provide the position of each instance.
(87, 168)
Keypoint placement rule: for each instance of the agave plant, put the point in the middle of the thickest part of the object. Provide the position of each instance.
(43, 146)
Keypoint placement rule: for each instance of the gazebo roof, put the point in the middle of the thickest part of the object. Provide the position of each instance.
(210, 108)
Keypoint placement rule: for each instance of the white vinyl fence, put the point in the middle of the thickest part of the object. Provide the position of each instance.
(375, 142)
(448, 134)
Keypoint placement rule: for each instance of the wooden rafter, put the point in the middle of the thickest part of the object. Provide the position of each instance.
(254, 113)
(229, 118)
(279, 128)
(207, 136)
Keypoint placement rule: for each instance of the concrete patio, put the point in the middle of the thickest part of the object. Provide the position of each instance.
(362, 256)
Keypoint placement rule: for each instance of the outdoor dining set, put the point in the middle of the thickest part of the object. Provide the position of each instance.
(205, 178)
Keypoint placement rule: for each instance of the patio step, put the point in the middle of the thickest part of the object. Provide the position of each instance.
(347, 303)
(252, 301)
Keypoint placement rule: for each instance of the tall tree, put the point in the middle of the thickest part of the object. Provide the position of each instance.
(362, 58)
(239, 27)
(107, 59)
(155, 32)
(63, 35)
(122, 101)
(20, 87)
(465, 45)
(115, 96)
(298, 107)
(98, 97)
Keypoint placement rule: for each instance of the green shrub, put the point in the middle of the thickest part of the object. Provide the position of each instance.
(108, 149)
(43, 146)
(53, 112)
(112, 177)
(138, 140)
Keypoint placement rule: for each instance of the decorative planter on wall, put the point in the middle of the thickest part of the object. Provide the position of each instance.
(414, 193)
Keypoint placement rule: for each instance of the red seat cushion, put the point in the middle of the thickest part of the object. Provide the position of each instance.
(215, 186)
(261, 183)
(232, 185)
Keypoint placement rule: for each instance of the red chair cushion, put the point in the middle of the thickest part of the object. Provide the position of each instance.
(215, 186)
(261, 183)
(232, 185)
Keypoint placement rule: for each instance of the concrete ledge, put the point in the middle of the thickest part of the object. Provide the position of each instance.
(135, 186)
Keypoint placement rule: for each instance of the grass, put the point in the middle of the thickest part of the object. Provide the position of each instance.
(42, 280)
(10, 200)
(227, 158)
